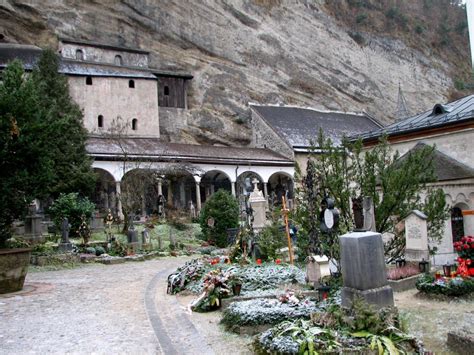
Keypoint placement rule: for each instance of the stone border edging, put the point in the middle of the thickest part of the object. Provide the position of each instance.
(404, 284)
(164, 340)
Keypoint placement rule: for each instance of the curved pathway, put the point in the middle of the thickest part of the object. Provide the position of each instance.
(104, 309)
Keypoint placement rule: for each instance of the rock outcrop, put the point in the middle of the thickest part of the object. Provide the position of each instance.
(261, 51)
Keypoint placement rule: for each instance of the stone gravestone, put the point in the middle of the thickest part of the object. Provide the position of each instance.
(132, 233)
(146, 239)
(33, 225)
(363, 269)
(259, 206)
(65, 245)
(316, 268)
(416, 235)
(369, 214)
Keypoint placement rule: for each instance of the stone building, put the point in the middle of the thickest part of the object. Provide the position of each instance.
(123, 99)
(291, 131)
(450, 128)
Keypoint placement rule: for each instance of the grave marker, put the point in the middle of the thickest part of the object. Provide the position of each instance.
(65, 245)
(259, 206)
(416, 235)
(363, 269)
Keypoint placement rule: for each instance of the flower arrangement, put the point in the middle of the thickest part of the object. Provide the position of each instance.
(465, 250)
(215, 288)
(449, 286)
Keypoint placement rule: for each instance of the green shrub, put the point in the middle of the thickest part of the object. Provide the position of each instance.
(419, 29)
(361, 18)
(270, 239)
(90, 250)
(72, 207)
(223, 208)
(358, 37)
(99, 250)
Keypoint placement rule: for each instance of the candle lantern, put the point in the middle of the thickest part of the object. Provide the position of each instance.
(423, 265)
(400, 262)
(323, 292)
(447, 270)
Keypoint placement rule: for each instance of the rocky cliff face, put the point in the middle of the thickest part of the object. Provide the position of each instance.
(262, 51)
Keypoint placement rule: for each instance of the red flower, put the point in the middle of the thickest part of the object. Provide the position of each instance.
(259, 261)
(468, 261)
(460, 260)
(463, 239)
(458, 248)
(277, 261)
(466, 246)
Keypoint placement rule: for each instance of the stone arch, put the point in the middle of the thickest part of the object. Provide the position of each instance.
(244, 182)
(460, 197)
(104, 195)
(212, 181)
(280, 184)
(138, 191)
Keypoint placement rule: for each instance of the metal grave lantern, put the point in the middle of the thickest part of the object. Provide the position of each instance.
(329, 215)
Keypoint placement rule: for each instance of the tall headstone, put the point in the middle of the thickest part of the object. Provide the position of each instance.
(259, 206)
(65, 245)
(33, 225)
(416, 236)
(363, 269)
(369, 214)
(132, 233)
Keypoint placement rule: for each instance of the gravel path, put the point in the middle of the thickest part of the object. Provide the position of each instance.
(430, 319)
(121, 309)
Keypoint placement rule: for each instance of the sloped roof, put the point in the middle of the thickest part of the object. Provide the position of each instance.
(104, 45)
(153, 149)
(458, 111)
(28, 54)
(446, 168)
(300, 125)
(76, 67)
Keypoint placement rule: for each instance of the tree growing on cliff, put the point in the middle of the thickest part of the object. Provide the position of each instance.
(42, 141)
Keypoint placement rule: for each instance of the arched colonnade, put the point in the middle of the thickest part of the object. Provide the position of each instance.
(182, 186)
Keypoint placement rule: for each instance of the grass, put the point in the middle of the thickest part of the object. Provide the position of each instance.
(187, 237)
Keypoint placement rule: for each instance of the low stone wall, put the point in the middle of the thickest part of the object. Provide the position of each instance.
(55, 259)
(403, 284)
(462, 342)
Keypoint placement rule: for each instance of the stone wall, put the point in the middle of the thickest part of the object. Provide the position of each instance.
(263, 136)
(457, 145)
(112, 98)
(459, 193)
(103, 55)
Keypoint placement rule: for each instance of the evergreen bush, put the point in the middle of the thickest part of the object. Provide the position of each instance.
(71, 206)
(223, 208)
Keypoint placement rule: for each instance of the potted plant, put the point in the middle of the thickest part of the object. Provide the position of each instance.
(235, 282)
(14, 262)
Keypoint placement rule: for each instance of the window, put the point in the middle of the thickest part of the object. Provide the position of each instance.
(134, 124)
(131, 84)
(118, 60)
(88, 80)
(79, 54)
(100, 121)
(166, 91)
(457, 224)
